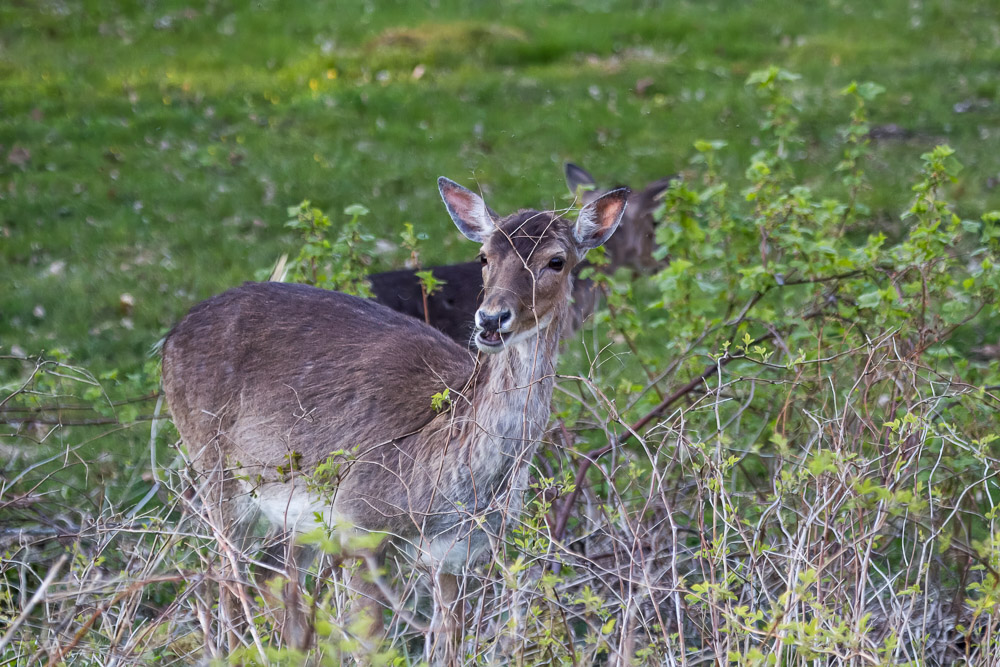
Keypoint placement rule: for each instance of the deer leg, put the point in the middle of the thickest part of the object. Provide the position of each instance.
(451, 601)
(235, 615)
(296, 621)
(234, 598)
(448, 621)
(368, 603)
(220, 516)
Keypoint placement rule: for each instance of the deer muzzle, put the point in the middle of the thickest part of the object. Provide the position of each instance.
(491, 327)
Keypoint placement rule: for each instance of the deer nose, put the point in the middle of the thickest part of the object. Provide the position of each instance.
(494, 322)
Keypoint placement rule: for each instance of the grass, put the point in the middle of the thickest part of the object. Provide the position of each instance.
(167, 139)
(149, 152)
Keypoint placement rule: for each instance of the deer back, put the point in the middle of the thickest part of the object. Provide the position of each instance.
(271, 371)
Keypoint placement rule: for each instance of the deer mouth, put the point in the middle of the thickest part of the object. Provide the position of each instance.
(489, 340)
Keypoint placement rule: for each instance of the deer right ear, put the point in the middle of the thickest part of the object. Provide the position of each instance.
(578, 177)
(471, 214)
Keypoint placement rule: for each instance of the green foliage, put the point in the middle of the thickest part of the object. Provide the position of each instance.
(441, 401)
(429, 283)
(292, 467)
(822, 331)
(341, 264)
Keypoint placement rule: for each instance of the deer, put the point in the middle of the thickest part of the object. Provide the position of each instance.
(268, 382)
(450, 308)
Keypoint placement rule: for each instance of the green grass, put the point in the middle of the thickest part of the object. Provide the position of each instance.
(166, 139)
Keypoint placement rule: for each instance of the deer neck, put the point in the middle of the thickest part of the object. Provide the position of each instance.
(511, 399)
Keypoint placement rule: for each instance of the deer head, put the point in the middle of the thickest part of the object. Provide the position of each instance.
(527, 260)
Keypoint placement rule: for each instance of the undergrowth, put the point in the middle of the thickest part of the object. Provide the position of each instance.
(781, 448)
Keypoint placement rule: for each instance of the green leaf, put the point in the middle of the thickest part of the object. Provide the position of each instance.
(704, 146)
(356, 210)
(869, 90)
(870, 299)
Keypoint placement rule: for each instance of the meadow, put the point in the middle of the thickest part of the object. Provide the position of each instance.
(779, 448)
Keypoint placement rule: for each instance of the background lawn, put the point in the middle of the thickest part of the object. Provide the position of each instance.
(813, 378)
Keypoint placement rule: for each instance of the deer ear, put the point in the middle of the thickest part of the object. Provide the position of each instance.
(578, 177)
(656, 189)
(471, 214)
(599, 219)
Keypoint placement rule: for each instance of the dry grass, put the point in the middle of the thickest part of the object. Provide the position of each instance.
(692, 543)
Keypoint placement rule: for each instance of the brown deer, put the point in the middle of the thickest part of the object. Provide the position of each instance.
(450, 309)
(268, 381)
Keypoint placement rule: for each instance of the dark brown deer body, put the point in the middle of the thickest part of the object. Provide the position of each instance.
(268, 381)
(450, 309)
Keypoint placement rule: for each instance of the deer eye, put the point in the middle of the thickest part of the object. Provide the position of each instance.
(482, 259)
(557, 263)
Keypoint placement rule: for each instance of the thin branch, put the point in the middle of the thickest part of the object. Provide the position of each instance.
(591, 457)
(55, 421)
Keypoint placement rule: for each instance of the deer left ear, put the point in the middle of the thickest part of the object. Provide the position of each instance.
(577, 177)
(599, 219)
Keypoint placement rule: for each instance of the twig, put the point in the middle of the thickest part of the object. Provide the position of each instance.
(591, 457)
(80, 408)
(50, 421)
